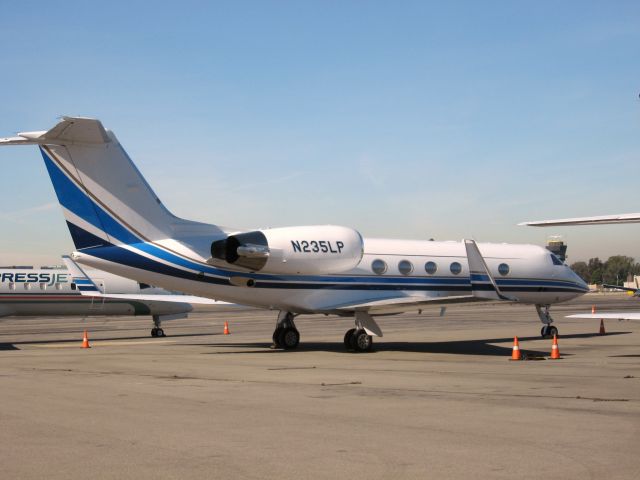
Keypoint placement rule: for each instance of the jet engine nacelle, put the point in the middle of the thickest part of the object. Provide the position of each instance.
(308, 250)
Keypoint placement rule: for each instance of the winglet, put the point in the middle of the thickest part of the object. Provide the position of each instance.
(80, 278)
(483, 285)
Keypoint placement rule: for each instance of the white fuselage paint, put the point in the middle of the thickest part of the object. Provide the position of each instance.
(533, 278)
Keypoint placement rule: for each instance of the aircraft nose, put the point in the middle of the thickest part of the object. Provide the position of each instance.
(578, 280)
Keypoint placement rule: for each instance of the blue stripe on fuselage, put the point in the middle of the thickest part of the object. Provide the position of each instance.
(123, 256)
(74, 199)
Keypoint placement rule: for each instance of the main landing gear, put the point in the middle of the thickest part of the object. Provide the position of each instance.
(359, 338)
(548, 330)
(157, 331)
(286, 335)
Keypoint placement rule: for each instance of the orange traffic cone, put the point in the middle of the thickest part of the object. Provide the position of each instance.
(515, 353)
(602, 330)
(226, 328)
(555, 351)
(85, 340)
(593, 309)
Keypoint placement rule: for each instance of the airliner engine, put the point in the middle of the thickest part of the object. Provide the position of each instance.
(311, 250)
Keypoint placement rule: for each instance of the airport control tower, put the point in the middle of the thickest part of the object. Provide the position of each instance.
(556, 245)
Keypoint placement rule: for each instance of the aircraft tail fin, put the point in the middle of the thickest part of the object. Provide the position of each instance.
(104, 197)
(83, 282)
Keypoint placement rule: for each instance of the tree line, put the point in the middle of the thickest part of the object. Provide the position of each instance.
(613, 271)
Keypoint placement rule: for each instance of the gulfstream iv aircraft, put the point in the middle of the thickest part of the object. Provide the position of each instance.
(53, 292)
(118, 224)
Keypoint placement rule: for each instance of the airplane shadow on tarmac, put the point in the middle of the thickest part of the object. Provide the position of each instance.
(78, 339)
(458, 347)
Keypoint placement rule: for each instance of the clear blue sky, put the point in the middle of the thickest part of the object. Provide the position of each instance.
(401, 119)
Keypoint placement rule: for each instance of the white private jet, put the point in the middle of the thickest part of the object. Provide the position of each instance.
(597, 220)
(118, 224)
(52, 292)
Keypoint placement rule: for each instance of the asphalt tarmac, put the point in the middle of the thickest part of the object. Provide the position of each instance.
(437, 398)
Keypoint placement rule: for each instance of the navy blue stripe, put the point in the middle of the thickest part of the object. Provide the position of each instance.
(126, 257)
(84, 288)
(74, 199)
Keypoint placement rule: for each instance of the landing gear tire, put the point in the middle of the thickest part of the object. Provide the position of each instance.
(362, 342)
(548, 331)
(289, 338)
(348, 339)
(157, 332)
(276, 337)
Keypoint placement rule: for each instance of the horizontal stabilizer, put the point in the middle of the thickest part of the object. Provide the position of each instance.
(171, 298)
(89, 289)
(69, 131)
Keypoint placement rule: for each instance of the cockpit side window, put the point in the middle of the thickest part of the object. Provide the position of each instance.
(556, 260)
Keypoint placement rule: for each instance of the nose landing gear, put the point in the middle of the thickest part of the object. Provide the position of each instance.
(548, 330)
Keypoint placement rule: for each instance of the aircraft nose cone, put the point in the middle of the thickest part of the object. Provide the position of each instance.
(579, 281)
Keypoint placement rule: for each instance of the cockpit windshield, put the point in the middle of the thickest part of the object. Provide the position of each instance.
(556, 260)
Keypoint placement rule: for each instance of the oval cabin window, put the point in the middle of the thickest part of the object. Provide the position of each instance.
(379, 266)
(455, 268)
(405, 267)
(431, 267)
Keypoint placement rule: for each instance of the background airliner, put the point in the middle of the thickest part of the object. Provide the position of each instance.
(55, 292)
(118, 224)
(597, 220)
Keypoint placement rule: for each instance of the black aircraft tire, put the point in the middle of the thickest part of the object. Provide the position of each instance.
(276, 336)
(362, 341)
(289, 338)
(348, 339)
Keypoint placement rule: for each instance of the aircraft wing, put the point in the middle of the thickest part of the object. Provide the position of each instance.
(599, 220)
(87, 288)
(636, 291)
(400, 304)
(614, 315)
